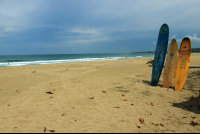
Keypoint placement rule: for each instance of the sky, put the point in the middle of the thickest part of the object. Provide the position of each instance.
(94, 26)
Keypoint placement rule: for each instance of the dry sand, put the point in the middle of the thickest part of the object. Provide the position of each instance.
(77, 91)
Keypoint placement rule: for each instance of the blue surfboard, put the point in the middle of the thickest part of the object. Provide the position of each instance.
(160, 54)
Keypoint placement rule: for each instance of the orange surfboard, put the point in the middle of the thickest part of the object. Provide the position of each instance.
(170, 65)
(183, 63)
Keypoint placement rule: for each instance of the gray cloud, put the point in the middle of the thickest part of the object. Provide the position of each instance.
(83, 26)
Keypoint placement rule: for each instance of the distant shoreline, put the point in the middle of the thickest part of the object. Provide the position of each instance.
(194, 50)
(144, 52)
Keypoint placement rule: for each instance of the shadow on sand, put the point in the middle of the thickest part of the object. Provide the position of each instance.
(190, 105)
(149, 83)
(192, 84)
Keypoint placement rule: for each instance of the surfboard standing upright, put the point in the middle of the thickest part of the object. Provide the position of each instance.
(160, 54)
(170, 64)
(183, 63)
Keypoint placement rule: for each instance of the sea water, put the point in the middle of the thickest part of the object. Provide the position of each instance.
(24, 60)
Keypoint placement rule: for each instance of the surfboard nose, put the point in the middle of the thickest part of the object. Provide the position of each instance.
(164, 28)
(184, 44)
(186, 39)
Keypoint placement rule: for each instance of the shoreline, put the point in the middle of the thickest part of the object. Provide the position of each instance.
(71, 62)
(86, 61)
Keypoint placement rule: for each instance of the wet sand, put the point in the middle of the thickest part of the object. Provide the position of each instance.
(79, 105)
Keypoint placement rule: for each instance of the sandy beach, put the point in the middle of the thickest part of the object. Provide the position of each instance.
(74, 101)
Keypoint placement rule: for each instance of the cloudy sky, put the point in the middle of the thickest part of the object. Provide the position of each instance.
(94, 26)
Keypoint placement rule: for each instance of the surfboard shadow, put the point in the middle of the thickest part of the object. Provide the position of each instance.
(149, 83)
(189, 105)
(192, 85)
(172, 87)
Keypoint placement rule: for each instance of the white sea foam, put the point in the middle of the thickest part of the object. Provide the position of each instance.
(139, 56)
(194, 53)
(55, 61)
(41, 62)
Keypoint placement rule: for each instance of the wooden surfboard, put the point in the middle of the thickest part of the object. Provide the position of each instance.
(183, 63)
(170, 64)
(160, 54)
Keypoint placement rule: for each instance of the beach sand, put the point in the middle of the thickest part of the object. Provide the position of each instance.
(79, 105)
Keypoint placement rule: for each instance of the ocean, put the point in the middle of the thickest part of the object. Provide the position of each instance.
(25, 60)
